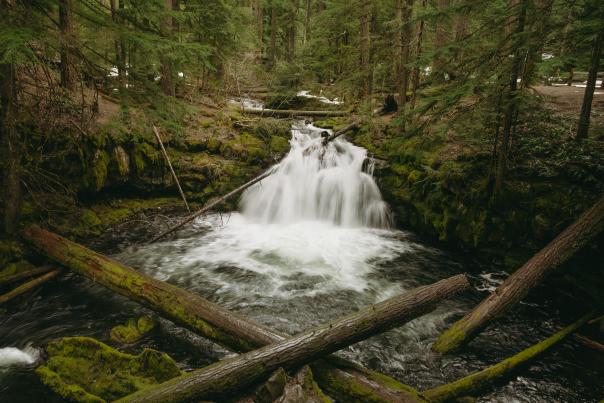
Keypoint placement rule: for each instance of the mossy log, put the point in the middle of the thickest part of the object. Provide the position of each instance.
(289, 113)
(478, 380)
(24, 274)
(30, 285)
(518, 285)
(231, 375)
(210, 320)
(241, 188)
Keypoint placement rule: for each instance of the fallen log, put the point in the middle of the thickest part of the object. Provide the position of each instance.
(30, 285)
(290, 112)
(210, 320)
(587, 342)
(518, 285)
(24, 274)
(240, 189)
(165, 153)
(478, 380)
(230, 375)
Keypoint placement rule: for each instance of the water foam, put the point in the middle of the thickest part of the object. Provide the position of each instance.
(11, 356)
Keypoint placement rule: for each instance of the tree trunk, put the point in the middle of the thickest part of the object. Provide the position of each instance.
(167, 75)
(259, 25)
(68, 68)
(291, 30)
(167, 158)
(10, 149)
(307, 22)
(30, 285)
(519, 284)
(404, 9)
(272, 49)
(24, 274)
(418, 52)
(208, 319)
(508, 121)
(231, 375)
(469, 385)
(441, 39)
(120, 49)
(588, 96)
(365, 44)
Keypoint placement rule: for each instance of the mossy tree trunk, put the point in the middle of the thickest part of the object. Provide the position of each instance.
(231, 375)
(207, 319)
(588, 96)
(518, 285)
(476, 381)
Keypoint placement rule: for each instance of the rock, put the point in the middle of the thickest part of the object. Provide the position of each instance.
(133, 330)
(122, 161)
(82, 369)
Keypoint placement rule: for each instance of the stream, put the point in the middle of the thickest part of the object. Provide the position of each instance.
(311, 243)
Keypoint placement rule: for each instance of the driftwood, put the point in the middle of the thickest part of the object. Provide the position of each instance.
(232, 374)
(587, 342)
(290, 112)
(478, 380)
(235, 332)
(163, 150)
(240, 189)
(24, 274)
(524, 279)
(30, 285)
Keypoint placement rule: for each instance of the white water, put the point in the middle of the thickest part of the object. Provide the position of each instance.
(321, 98)
(10, 356)
(318, 183)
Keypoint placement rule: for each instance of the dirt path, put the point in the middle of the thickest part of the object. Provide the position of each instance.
(567, 100)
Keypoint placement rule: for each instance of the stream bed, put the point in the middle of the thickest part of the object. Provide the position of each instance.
(311, 243)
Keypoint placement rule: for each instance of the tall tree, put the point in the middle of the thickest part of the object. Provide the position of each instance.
(588, 96)
(272, 47)
(167, 74)
(365, 48)
(404, 9)
(68, 59)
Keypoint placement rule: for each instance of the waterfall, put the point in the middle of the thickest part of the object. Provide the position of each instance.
(332, 183)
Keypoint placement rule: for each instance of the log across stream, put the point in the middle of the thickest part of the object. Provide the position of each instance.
(294, 275)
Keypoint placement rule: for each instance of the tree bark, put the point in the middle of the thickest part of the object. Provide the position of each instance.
(259, 25)
(418, 52)
(120, 48)
(474, 382)
(68, 64)
(30, 285)
(441, 39)
(237, 333)
(165, 153)
(588, 96)
(403, 14)
(508, 121)
(10, 145)
(365, 45)
(519, 284)
(233, 374)
(167, 75)
(307, 15)
(272, 48)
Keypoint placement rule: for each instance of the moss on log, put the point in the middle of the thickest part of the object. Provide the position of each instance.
(518, 285)
(85, 370)
(478, 380)
(231, 375)
(133, 330)
(205, 318)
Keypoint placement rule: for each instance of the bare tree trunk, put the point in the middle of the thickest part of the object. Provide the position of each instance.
(519, 284)
(366, 79)
(338, 376)
(10, 147)
(231, 375)
(291, 30)
(418, 52)
(167, 75)
(259, 25)
(508, 120)
(68, 68)
(588, 96)
(272, 49)
(404, 10)
(30, 285)
(440, 41)
(120, 51)
(307, 22)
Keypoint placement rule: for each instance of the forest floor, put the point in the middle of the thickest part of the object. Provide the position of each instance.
(568, 100)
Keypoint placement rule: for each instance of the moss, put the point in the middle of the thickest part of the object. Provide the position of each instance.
(122, 161)
(279, 145)
(10, 251)
(15, 267)
(96, 174)
(86, 370)
(133, 330)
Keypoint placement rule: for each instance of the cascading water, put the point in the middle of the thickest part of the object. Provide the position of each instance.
(331, 183)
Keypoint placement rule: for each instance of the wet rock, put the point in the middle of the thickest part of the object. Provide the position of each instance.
(122, 161)
(85, 370)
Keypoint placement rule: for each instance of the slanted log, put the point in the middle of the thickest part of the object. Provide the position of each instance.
(24, 274)
(478, 380)
(30, 285)
(291, 113)
(230, 375)
(167, 158)
(208, 319)
(518, 285)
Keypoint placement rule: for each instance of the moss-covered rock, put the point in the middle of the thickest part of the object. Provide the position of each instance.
(133, 330)
(96, 175)
(85, 370)
(122, 161)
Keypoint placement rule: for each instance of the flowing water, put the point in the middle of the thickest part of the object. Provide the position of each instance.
(312, 242)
